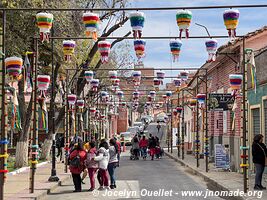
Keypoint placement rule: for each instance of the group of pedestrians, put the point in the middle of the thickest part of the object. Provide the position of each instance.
(87, 159)
(141, 146)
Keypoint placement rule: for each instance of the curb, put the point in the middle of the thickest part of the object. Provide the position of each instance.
(23, 169)
(206, 178)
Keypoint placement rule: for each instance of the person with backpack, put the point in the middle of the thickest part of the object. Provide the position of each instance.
(113, 162)
(91, 164)
(102, 158)
(76, 165)
(135, 147)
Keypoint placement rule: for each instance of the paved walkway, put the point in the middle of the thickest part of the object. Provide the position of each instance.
(221, 179)
(17, 186)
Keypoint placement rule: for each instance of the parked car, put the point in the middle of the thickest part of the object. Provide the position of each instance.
(147, 119)
(140, 125)
(133, 130)
(126, 137)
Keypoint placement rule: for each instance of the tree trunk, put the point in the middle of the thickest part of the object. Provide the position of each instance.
(46, 148)
(21, 154)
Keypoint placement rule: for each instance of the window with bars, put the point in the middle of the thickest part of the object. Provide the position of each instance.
(256, 121)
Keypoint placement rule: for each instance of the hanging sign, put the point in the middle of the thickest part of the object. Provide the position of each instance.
(221, 101)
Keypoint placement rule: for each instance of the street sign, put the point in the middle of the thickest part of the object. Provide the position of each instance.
(222, 160)
(219, 101)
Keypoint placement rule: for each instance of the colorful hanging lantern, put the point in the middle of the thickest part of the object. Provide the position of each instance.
(164, 97)
(230, 18)
(139, 47)
(235, 81)
(137, 20)
(179, 110)
(104, 96)
(14, 67)
(94, 84)
(80, 103)
(168, 94)
(157, 83)
(174, 112)
(122, 104)
(43, 83)
(152, 94)
(72, 99)
(136, 95)
(160, 75)
(44, 23)
(120, 94)
(201, 98)
(113, 74)
(175, 46)
(177, 83)
(89, 75)
(104, 50)
(211, 46)
(116, 82)
(136, 76)
(193, 102)
(184, 75)
(183, 18)
(91, 23)
(157, 106)
(149, 98)
(68, 49)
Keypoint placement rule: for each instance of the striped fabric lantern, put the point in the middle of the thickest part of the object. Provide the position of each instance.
(168, 94)
(139, 47)
(179, 110)
(68, 49)
(201, 98)
(104, 50)
(113, 74)
(164, 96)
(157, 83)
(104, 96)
(157, 106)
(193, 102)
(72, 99)
(94, 84)
(152, 94)
(43, 82)
(235, 81)
(80, 103)
(136, 76)
(184, 75)
(148, 104)
(231, 18)
(91, 23)
(116, 82)
(89, 75)
(14, 67)
(183, 18)
(211, 47)
(137, 20)
(44, 23)
(175, 46)
(177, 82)
(160, 75)
(136, 95)
(120, 94)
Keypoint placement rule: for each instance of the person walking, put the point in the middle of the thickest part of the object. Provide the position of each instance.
(60, 144)
(113, 162)
(119, 150)
(77, 158)
(103, 158)
(91, 164)
(135, 146)
(143, 144)
(259, 153)
(152, 147)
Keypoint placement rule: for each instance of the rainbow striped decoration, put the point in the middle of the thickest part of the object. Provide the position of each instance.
(235, 81)
(94, 84)
(201, 98)
(72, 99)
(230, 18)
(136, 94)
(68, 49)
(136, 76)
(91, 23)
(179, 110)
(184, 75)
(122, 104)
(43, 82)
(14, 67)
(168, 94)
(156, 82)
(137, 20)
(211, 47)
(89, 75)
(177, 82)
(120, 94)
(92, 110)
(184, 18)
(160, 75)
(80, 103)
(113, 74)
(139, 47)
(44, 23)
(116, 82)
(193, 102)
(175, 46)
(152, 94)
(104, 50)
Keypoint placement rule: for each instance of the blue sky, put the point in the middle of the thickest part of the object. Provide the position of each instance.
(193, 53)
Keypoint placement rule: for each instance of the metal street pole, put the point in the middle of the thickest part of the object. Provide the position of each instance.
(182, 141)
(53, 177)
(197, 130)
(67, 122)
(206, 124)
(171, 128)
(168, 128)
(178, 127)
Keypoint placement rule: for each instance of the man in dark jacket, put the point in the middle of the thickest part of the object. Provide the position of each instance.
(259, 153)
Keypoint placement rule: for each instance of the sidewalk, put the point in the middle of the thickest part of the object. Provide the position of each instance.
(218, 180)
(17, 186)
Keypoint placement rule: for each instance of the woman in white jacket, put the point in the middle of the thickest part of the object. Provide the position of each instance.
(103, 158)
